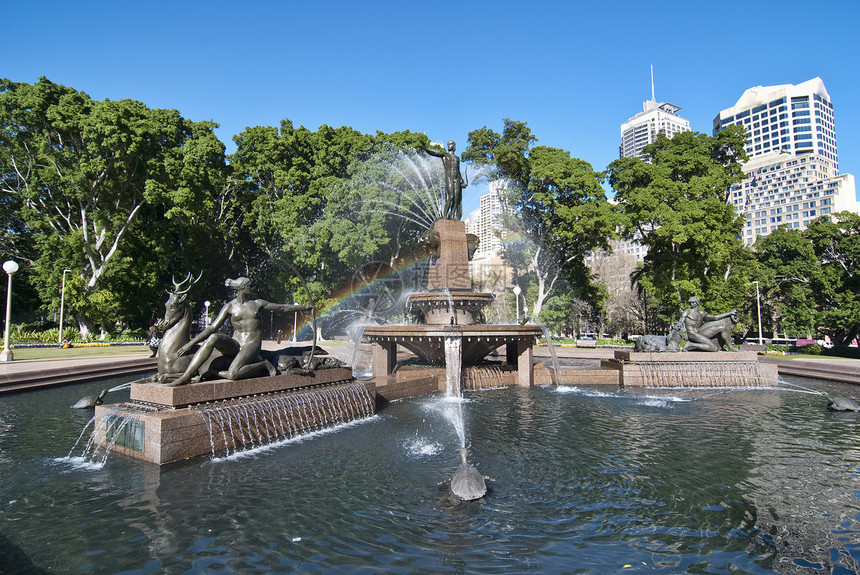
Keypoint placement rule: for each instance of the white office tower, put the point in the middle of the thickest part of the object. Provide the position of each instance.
(636, 133)
(643, 128)
(487, 267)
(486, 223)
(793, 172)
(795, 119)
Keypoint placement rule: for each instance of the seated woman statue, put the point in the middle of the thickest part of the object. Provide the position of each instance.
(247, 340)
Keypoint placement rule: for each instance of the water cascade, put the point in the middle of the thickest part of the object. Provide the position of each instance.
(453, 361)
(165, 424)
(711, 374)
(555, 365)
(487, 377)
(109, 427)
(249, 423)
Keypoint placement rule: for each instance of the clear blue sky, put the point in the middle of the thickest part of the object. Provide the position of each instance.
(574, 71)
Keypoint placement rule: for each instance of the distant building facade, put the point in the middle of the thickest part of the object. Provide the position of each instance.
(782, 189)
(636, 133)
(486, 221)
(793, 172)
(643, 128)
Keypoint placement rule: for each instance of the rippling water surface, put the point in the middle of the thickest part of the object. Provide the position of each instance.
(583, 481)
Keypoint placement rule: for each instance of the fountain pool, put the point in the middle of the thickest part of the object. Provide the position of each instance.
(659, 480)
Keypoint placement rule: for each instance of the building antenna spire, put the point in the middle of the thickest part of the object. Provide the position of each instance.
(653, 99)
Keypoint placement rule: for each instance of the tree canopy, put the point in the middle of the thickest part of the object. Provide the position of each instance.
(812, 277)
(324, 201)
(675, 201)
(111, 190)
(559, 203)
(125, 196)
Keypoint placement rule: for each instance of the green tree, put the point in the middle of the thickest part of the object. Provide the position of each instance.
(113, 190)
(812, 276)
(325, 201)
(560, 206)
(675, 201)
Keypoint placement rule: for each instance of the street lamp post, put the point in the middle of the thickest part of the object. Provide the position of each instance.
(758, 302)
(10, 267)
(206, 305)
(517, 291)
(62, 303)
(295, 322)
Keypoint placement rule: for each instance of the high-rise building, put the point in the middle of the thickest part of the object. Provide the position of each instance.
(793, 172)
(643, 128)
(485, 222)
(636, 133)
(487, 268)
(794, 119)
(782, 189)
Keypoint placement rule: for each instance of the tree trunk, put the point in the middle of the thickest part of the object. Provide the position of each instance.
(85, 326)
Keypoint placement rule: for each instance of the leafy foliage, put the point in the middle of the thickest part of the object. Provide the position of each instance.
(812, 276)
(323, 201)
(560, 206)
(676, 203)
(111, 190)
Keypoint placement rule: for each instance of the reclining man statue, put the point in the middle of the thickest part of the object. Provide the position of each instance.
(707, 332)
(247, 340)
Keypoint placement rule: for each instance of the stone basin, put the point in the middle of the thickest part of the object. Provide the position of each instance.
(438, 308)
(427, 342)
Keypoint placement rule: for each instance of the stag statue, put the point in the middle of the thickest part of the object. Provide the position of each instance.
(176, 325)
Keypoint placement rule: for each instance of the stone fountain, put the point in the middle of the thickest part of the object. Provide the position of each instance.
(215, 401)
(212, 393)
(449, 310)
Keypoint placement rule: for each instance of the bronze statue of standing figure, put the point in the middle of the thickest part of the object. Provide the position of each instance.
(247, 340)
(454, 182)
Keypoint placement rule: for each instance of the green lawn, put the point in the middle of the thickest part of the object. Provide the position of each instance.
(57, 352)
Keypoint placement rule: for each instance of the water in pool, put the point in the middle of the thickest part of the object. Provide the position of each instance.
(583, 480)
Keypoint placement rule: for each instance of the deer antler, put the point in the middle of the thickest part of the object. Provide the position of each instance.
(177, 287)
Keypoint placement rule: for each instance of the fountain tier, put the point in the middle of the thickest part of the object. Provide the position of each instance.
(440, 308)
(427, 342)
(166, 424)
(449, 299)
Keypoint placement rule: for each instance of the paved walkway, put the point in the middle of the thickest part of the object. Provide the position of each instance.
(23, 374)
(831, 368)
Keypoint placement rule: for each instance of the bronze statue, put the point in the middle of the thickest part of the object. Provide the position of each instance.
(454, 182)
(467, 483)
(660, 343)
(707, 332)
(247, 340)
(176, 325)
